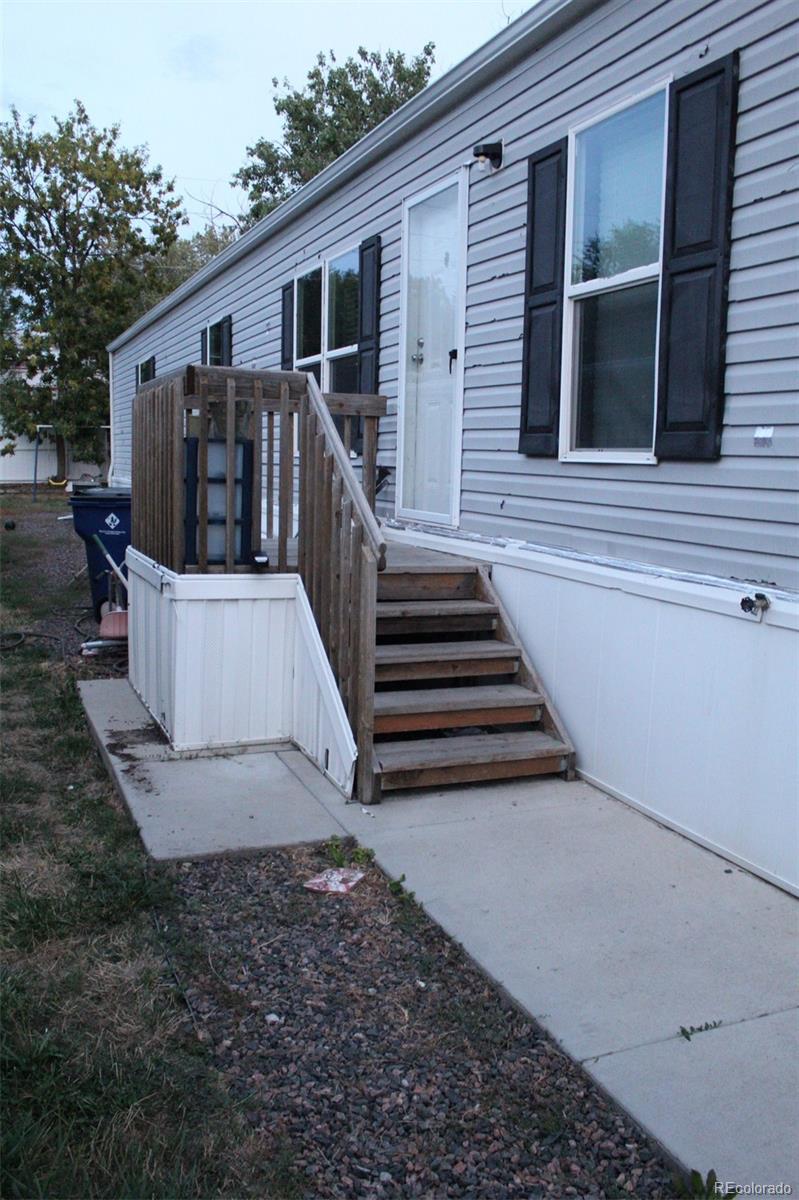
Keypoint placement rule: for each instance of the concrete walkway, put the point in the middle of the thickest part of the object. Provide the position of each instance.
(612, 931)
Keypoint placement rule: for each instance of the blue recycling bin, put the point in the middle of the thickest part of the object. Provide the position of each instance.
(104, 511)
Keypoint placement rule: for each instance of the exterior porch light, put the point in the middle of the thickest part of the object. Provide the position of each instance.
(488, 153)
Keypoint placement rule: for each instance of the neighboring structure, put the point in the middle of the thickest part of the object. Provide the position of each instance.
(589, 353)
(20, 467)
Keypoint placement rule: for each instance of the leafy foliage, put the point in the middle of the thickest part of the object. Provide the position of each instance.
(338, 105)
(84, 226)
(185, 257)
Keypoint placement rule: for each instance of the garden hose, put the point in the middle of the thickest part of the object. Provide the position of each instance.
(17, 637)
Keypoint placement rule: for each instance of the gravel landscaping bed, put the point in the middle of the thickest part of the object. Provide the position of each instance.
(371, 1058)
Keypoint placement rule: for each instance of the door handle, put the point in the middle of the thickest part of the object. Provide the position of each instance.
(417, 358)
(453, 354)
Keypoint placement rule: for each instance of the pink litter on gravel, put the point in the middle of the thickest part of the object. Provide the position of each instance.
(339, 880)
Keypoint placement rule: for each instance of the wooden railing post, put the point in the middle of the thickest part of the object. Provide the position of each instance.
(367, 634)
(230, 476)
(326, 530)
(202, 481)
(286, 467)
(302, 488)
(343, 600)
(355, 618)
(370, 460)
(335, 573)
(257, 435)
(319, 549)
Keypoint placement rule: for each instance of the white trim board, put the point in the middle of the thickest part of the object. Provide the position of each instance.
(708, 592)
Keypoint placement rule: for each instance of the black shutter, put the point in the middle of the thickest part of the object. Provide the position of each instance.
(136, 369)
(369, 315)
(696, 252)
(287, 328)
(543, 301)
(204, 347)
(226, 342)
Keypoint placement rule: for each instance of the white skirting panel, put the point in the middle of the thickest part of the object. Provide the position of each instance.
(677, 701)
(235, 660)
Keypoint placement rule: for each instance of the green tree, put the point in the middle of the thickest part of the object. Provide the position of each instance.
(185, 257)
(338, 105)
(84, 226)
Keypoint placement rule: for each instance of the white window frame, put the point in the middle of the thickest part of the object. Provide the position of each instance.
(325, 357)
(139, 365)
(209, 325)
(572, 292)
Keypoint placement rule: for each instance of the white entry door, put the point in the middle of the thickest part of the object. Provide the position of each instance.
(432, 355)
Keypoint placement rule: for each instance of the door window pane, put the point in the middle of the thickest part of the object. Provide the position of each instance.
(430, 395)
(309, 314)
(616, 333)
(342, 301)
(619, 192)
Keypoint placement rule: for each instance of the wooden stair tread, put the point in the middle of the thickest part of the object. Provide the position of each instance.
(459, 699)
(468, 748)
(452, 566)
(434, 608)
(408, 652)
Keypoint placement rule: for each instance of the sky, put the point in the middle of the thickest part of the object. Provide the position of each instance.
(193, 80)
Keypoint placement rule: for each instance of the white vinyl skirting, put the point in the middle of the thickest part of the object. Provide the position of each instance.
(677, 701)
(225, 661)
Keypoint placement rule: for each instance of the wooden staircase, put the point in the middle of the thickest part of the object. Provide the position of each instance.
(435, 683)
(456, 699)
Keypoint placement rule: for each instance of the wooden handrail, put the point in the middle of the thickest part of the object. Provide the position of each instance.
(353, 489)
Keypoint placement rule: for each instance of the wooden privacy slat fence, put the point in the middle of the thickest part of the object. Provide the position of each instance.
(219, 419)
(186, 424)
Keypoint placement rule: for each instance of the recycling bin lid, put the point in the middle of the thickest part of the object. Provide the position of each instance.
(103, 494)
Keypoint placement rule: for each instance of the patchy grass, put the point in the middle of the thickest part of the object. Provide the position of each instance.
(104, 1095)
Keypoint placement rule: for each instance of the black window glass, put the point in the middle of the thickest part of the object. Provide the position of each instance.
(215, 345)
(616, 337)
(344, 374)
(342, 301)
(309, 314)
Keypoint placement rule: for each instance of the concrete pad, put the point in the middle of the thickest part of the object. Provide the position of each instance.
(187, 807)
(613, 932)
(564, 895)
(726, 1100)
(608, 928)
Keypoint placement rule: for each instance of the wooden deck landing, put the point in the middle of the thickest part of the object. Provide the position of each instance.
(399, 557)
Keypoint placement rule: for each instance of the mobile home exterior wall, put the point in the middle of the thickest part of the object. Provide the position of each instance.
(735, 517)
(625, 579)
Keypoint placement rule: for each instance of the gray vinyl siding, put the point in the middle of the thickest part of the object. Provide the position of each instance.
(735, 517)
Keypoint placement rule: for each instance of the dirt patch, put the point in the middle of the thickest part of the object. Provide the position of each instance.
(123, 745)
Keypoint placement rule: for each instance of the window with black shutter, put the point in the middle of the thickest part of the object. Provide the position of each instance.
(627, 263)
(216, 343)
